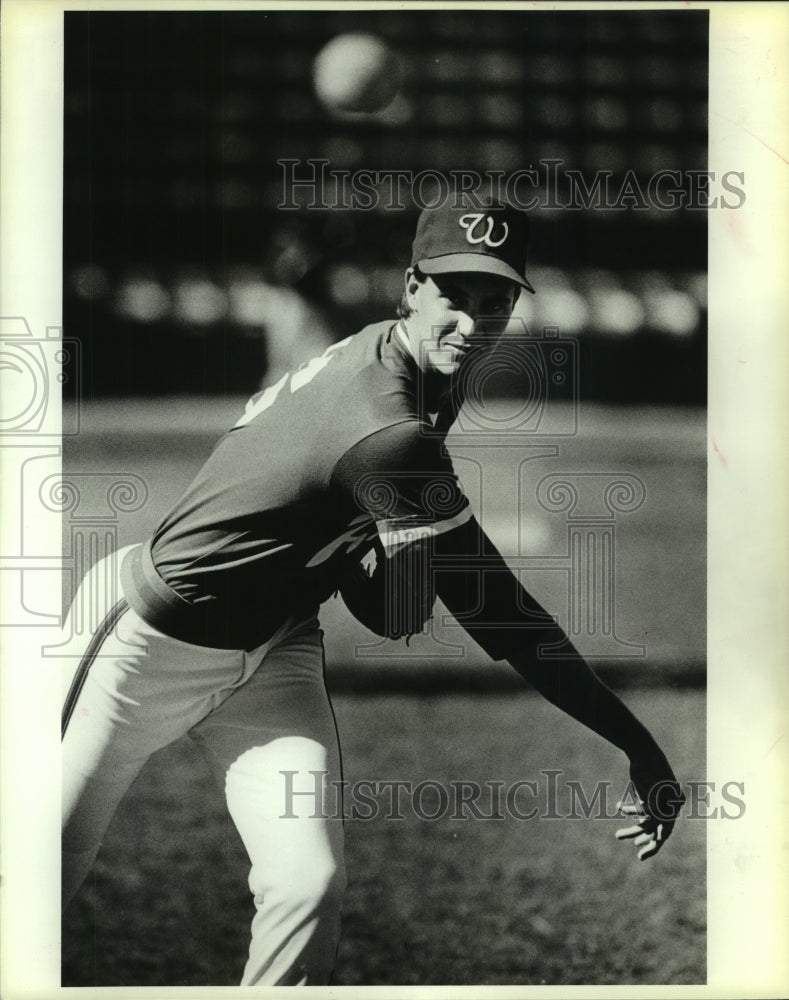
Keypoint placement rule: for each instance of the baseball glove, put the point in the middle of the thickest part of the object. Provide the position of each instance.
(396, 597)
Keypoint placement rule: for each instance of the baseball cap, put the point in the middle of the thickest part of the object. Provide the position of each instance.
(492, 240)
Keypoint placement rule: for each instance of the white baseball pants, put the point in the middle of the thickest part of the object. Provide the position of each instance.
(256, 714)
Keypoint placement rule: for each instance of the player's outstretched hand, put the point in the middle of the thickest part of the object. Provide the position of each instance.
(656, 809)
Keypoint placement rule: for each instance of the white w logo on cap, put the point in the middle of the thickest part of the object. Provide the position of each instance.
(472, 220)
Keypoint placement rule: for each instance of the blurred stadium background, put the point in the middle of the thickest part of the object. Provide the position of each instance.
(188, 289)
(180, 272)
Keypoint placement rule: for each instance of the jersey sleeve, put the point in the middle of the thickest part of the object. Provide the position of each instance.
(435, 546)
(485, 596)
(405, 481)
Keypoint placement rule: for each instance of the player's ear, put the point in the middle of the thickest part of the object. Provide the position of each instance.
(412, 284)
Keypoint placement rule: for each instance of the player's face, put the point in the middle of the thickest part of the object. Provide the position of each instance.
(451, 314)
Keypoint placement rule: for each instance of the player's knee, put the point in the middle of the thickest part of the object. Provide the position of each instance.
(323, 883)
(317, 883)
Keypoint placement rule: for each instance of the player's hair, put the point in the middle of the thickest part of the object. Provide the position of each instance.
(403, 309)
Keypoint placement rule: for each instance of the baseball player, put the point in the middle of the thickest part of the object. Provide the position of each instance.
(211, 626)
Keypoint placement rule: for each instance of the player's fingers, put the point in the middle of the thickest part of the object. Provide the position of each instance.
(630, 809)
(648, 849)
(629, 831)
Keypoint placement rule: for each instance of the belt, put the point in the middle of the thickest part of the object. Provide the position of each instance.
(160, 606)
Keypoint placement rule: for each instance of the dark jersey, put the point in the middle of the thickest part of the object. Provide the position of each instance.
(320, 464)
(331, 460)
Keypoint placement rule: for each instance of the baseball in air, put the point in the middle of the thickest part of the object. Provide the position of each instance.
(356, 72)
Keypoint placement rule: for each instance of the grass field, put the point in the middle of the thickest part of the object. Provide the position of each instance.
(449, 901)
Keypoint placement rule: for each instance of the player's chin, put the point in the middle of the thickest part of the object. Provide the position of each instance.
(446, 360)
